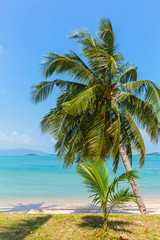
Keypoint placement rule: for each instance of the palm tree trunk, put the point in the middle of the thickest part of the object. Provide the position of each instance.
(134, 184)
(105, 218)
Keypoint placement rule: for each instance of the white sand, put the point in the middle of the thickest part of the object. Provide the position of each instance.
(153, 206)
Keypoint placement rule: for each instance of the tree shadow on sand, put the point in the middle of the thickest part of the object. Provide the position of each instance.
(94, 222)
(27, 207)
(22, 228)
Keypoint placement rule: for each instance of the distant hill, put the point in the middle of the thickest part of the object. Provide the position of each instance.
(21, 152)
(32, 152)
(153, 154)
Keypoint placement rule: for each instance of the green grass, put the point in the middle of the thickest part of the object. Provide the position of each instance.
(76, 226)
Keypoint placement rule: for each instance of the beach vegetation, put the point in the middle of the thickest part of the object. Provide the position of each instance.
(79, 226)
(106, 194)
(100, 108)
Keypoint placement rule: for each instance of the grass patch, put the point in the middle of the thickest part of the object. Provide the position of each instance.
(76, 226)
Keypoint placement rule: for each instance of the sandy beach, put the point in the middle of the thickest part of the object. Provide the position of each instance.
(153, 206)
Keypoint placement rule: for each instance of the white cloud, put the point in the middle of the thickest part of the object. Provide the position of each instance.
(3, 136)
(26, 139)
(15, 137)
(1, 49)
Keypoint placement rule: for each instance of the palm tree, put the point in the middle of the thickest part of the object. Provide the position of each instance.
(96, 178)
(98, 113)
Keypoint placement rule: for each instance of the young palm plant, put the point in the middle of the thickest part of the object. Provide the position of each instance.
(96, 178)
(96, 114)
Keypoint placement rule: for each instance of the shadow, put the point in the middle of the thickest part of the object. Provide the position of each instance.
(87, 208)
(48, 208)
(22, 227)
(119, 226)
(42, 207)
(25, 208)
(94, 221)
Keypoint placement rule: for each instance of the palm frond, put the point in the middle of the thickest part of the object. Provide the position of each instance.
(42, 90)
(127, 138)
(134, 131)
(98, 140)
(143, 111)
(152, 92)
(114, 129)
(77, 142)
(67, 63)
(130, 175)
(120, 198)
(81, 102)
(106, 31)
(47, 121)
(96, 178)
(85, 39)
(128, 74)
(65, 126)
(63, 84)
(103, 63)
(100, 57)
(115, 160)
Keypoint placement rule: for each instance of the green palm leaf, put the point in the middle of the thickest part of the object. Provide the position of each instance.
(152, 93)
(106, 32)
(121, 197)
(59, 63)
(129, 74)
(99, 142)
(143, 111)
(131, 175)
(133, 129)
(83, 101)
(42, 90)
(85, 39)
(114, 129)
(96, 178)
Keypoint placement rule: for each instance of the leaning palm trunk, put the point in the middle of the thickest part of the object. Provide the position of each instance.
(134, 184)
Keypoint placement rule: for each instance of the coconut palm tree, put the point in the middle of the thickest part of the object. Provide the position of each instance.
(96, 178)
(97, 114)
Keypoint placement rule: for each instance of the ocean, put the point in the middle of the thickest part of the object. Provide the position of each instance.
(43, 178)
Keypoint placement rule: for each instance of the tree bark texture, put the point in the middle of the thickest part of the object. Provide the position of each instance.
(134, 184)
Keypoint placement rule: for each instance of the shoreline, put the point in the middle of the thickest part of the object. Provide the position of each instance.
(59, 207)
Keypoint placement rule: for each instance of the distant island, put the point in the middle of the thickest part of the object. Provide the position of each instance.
(155, 154)
(22, 152)
(30, 154)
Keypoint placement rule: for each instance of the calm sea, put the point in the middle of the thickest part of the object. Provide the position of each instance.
(43, 178)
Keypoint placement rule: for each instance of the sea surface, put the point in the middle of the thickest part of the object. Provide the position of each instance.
(43, 178)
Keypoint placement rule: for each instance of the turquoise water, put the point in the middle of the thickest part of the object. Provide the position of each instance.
(43, 178)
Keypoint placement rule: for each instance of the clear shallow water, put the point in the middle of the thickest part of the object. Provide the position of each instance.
(43, 178)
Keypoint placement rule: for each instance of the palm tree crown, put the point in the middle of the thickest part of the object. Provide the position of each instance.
(103, 104)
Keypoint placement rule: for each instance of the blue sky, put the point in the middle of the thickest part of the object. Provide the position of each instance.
(29, 28)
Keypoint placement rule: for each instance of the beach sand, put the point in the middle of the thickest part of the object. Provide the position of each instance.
(153, 206)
